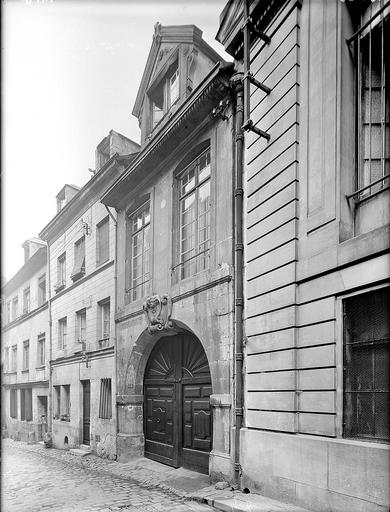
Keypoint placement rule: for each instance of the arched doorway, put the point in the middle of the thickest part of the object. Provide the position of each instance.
(177, 414)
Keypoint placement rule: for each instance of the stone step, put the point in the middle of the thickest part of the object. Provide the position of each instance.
(78, 452)
(85, 447)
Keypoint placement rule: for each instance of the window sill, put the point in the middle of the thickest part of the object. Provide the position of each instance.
(79, 275)
(42, 367)
(100, 263)
(11, 373)
(59, 287)
(26, 370)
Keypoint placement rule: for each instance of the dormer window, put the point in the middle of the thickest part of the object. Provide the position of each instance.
(165, 94)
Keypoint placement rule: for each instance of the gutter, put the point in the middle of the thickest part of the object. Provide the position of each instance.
(237, 83)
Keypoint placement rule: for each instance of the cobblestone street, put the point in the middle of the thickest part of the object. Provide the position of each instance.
(39, 480)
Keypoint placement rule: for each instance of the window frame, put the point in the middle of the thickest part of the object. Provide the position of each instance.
(81, 326)
(105, 247)
(79, 267)
(61, 272)
(26, 405)
(13, 403)
(14, 359)
(103, 335)
(26, 300)
(41, 352)
(146, 284)
(62, 332)
(105, 399)
(15, 308)
(198, 184)
(41, 290)
(26, 356)
(162, 86)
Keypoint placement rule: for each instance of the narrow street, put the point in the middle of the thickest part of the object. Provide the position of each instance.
(34, 480)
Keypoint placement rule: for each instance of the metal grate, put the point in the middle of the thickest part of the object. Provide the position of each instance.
(367, 365)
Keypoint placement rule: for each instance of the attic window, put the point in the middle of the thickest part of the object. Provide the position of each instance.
(165, 94)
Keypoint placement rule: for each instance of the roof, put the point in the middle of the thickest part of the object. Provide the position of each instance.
(24, 274)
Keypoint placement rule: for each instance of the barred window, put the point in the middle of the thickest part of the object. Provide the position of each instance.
(26, 404)
(13, 412)
(140, 252)
(102, 241)
(367, 365)
(105, 407)
(194, 204)
(372, 51)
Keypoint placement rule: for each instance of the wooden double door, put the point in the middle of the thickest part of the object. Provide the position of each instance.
(177, 414)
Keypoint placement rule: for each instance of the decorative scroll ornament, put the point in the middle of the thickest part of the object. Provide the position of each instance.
(158, 312)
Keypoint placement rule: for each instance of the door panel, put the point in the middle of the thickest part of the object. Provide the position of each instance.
(178, 426)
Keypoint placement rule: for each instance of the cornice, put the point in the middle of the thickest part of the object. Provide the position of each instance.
(24, 318)
(80, 357)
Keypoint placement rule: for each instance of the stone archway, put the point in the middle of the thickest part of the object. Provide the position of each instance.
(177, 413)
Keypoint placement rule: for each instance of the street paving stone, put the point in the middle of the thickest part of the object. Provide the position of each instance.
(37, 480)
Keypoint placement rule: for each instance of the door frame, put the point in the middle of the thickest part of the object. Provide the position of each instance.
(85, 382)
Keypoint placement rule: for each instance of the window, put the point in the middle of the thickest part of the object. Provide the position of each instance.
(8, 312)
(57, 401)
(26, 404)
(165, 94)
(41, 290)
(61, 272)
(65, 403)
(79, 260)
(140, 252)
(194, 204)
(102, 241)
(14, 308)
(41, 350)
(104, 322)
(14, 358)
(26, 300)
(62, 332)
(13, 403)
(6, 360)
(26, 355)
(81, 326)
(367, 365)
(372, 45)
(105, 407)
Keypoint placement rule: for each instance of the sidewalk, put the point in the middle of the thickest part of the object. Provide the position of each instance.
(185, 484)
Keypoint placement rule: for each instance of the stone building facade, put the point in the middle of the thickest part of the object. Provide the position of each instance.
(25, 347)
(317, 267)
(174, 319)
(81, 268)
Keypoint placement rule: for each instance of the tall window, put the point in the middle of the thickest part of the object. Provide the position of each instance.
(6, 360)
(367, 365)
(104, 322)
(41, 350)
(13, 405)
(105, 406)
(79, 259)
(26, 404)
(15, 308)
(26, 300)
(14, 358)
(102, 241)
(42, 290)
(65, 402)
(61, 272)
(26, 355)
(165, 94)
(8, 312)
(372, 46)
(173, 88)
(62, 332)
(140, 252)
(57, 401)
(81, 327)
(194, 199)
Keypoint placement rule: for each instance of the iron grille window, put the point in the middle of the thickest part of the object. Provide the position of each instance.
(105, 407)
(194, 204)
(367, 365)
(26, 404)
(13, 404)
(79, 259)
(140, 252)
(372, 50)
(41, 350)
(102, 241)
